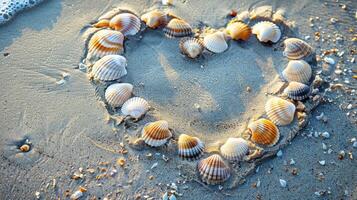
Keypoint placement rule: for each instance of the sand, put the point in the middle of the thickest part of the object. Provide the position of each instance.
(66, 125)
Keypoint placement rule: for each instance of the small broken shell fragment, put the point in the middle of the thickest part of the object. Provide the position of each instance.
(215, 42)
(189, 147)
(238, 31)
(296, 49)
(213, 170)
(297, 91)
(191, 47)
(264, 132)
(155, 19)
(135, 107)
(25, 148)
(109, 68)
(178, 28)
(167, 2)
(78, 194)
(262, 12)
(126, 23)
(116, 94)
(298, 71)
(234, 148)
(281, 112)
(156, 133)
(267, 31)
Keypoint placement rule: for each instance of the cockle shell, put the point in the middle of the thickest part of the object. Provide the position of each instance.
(280, 111)
(296, 49)
(213, 170)
(105, 42)
(190, 147)
(177, 28)
(234, 149)
(267, 31)
(135, 107)
(154, 19)
(297, 70)
(297, 91)
(215, 42)
(118, 93)
(126, 23)
(239, 31)
(156, 133)
(264, 132)
(192, 47)
(109, 68)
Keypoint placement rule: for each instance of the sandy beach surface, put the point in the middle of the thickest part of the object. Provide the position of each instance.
(66, 123)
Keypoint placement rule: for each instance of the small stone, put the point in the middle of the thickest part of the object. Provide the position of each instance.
(38, 195)
(280, 153)
(325, 135)
(329, 60)
(322, 162)
(338, 71)
(167, 2)
(282, 183)
(6, 54)
(197, 106)
(333, 20)
(354, 145)
(292, 162)
(154, 165)
(248, 89)
(324, 147)
(349, 107)
(341, 155)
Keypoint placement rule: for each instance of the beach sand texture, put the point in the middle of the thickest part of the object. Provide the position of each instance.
(62, 117)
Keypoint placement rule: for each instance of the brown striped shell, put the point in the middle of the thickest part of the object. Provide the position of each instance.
(191, 47)
(297, 91)
(238, 31)
(297, 70)
(296, 49)
(155, 19)
(126, 23)
(178, 28)
(156, 133)
(234, 148)
(264, 132)
(135, 107)
(118, 93)
(109, 68)
(267, 31)
(280, 111)
(189, 147)
(215, 42)
(213, 170)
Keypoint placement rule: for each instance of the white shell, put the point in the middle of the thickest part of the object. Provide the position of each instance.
(267, 31)
(116, 94)
(234, 148)
(215, 42)
(191, 47)
(135, 107)
(280, 112)
(109, 68)
(297, 70)
(126, 23)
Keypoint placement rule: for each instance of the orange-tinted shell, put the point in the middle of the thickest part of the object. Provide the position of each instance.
(156, 133)
(264, 132)
(213, 170)
(126, 23)
(177, 28)
(239, 31)
(154, 19)
(190, 147)
(280, 111)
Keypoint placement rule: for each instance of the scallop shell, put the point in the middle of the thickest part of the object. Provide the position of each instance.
(118, 93)
(190, 147)
(296, 49)
(264, 132)
(177, 28)
(156, 133)
(127, 23)
(267, 31)
(109, 68)
(135, 107)
(280, 111)
(154, 19)
(234, 149)
(105, 42)
(297, 70)
(192, 47)
(215, 42)
(213, 170)
(297, 91)
(239, 31)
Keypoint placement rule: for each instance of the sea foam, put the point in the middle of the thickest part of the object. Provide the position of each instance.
(9, 8)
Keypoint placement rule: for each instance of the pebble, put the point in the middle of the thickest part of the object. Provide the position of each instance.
(329, 60)
(280, 153)
(154, 165)
(325, 135)
(282, 183)
(324, 147)
(354, 145)
(167, 2)
(322, 162)
(333, 20)
(349, 107)
(292, 162)
(38, 195)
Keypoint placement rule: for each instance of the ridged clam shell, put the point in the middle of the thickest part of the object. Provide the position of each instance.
(267, 31)
(215, 42)
(126, 23)
(239, 31)
(190, 147)
(135, 107)
(297, 91)
(191, 47)
(156, 133)
(118, 93)
(280, 111)
(177, 28)
(109, 68)
(296, 49)
(264, 132)
(105, 42)
(297, 70)
(154, 19)
(213, 170)
(234, 148)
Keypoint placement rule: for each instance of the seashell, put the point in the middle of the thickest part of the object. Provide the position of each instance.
(192, 47)
(280, 111)
(126, 23)
(156, 133)
(215, 42)
(296, 49)
(213, 170)
(264, 132)
(118, 93)
(239, 31)
(243, 16)
(109, 68)
(167, 2)
(103, 21)
(234, 148)
(154, 19)
(267, 31)
(190, 147)
(105, 42)
(297, 70)
(135, 107)
(264, 12)
(177, 28)
(297, 91)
